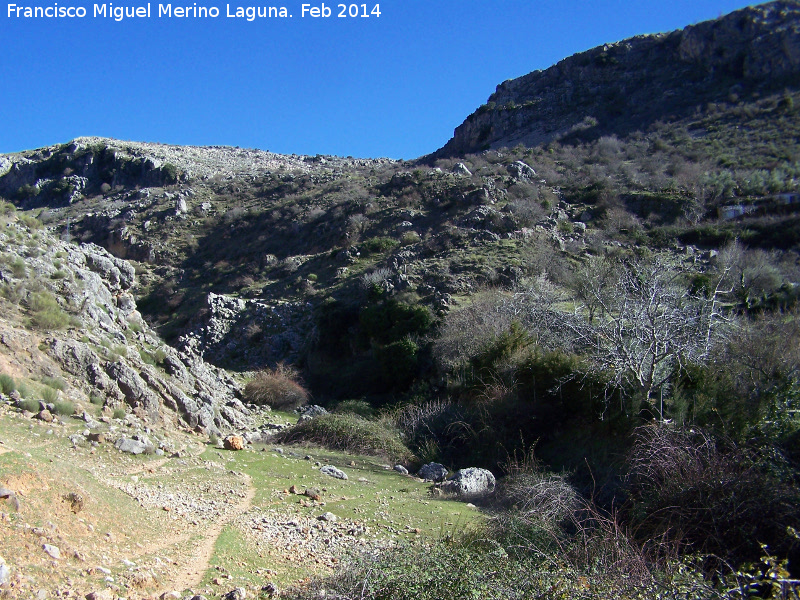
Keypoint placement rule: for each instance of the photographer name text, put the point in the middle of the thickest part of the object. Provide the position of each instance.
(173, 11)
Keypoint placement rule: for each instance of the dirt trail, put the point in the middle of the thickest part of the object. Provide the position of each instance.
(192, 572)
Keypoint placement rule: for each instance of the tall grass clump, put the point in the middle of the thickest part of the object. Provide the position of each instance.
(279, 388)
(349, 433)
(7, 384)
(45, 312)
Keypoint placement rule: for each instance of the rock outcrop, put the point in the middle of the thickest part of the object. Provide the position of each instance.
(626, 86)
(82, 298)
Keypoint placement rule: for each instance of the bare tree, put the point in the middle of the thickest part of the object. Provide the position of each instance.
(653, 323)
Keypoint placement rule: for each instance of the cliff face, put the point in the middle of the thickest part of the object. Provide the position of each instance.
(624, 87)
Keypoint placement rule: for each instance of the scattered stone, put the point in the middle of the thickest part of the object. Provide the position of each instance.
(101, 595)
(328, 517)
(333, 472)
(401, 469)
(311, 410)
(45, 415)
(98, 438)
(471, 482)
(5, 572)
(173, 595)
(293, 490)
(270, 589)
(314, 494)
(234, 442)
(6, 494)
(433, 472)
(237, 594)
(52, 551)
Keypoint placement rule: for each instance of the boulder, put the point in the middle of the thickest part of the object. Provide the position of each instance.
(461, 169)
(333, 472)
(432, 472)
(472, 482)
(234, 442)
(520, 170)
(401, 469)
(130, 446)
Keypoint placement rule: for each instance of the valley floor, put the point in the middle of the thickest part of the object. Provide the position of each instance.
(200, 518)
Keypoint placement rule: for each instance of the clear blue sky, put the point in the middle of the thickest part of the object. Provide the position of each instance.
(391, 86)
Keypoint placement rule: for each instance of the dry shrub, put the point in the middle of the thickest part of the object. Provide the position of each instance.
(279, 388)
(544, 516)
(693, 492)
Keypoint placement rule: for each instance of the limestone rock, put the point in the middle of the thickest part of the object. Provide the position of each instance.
(471, 482)
(333, 472)
(433, 472)
(233, 442)
(130, 446)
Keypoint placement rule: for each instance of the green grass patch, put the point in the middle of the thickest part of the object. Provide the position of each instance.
(7, 384)
(350, 433)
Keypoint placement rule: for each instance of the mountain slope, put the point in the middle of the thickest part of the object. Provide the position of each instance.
(627, 86)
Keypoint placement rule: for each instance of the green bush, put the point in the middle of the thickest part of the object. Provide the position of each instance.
(49, 395)
(45, 312)
(97, 399)
(378, 245)
(55, 382)
(349, 433)
(7, 384)
(361, 408)
(277, 388)
(119, 413)
(29, 404)
(64, 409)
(18, 268)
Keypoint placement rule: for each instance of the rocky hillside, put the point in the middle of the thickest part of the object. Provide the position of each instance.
(628, 86)
(70, 320)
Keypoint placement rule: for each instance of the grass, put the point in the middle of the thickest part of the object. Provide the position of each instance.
(351, 433)
(7, 384)
(365, 498)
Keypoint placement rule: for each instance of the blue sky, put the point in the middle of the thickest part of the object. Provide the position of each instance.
(395, 85)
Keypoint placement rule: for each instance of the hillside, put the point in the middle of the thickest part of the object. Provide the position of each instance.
(591, 292)
(631, 85)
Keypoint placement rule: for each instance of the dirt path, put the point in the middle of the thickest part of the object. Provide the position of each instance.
(192, 572)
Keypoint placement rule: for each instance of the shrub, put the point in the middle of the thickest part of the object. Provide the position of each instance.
(378, 245)
(49, 395)
(29, 221)
(46, 313)
(349, 433)
(708, 496)
(18, 268)
(361, 408)
(29, 404)
(97, 399)
(119, 413)
(279, 388)
(65, 409)
(7, 384)
(55, 382)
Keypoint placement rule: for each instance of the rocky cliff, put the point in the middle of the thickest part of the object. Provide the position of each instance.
(70, 314)
(624, 87)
